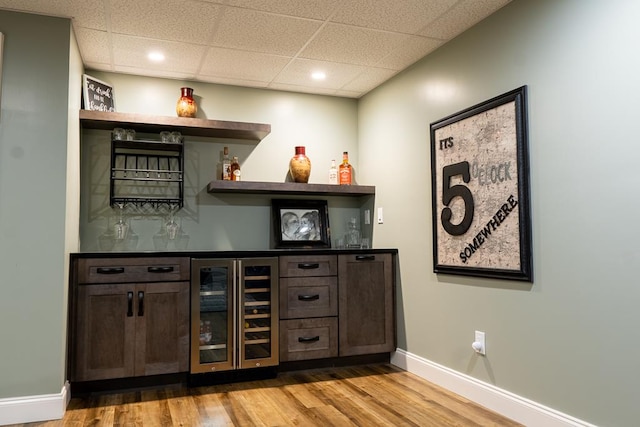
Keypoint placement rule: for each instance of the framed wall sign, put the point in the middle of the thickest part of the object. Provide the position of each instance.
(301, 223)
(98, 95)
(480, 190)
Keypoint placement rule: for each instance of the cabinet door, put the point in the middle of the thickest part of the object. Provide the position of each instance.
(105, 332)
(366, 304)
(162, 328)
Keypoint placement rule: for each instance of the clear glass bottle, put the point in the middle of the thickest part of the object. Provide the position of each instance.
(333, 173)
(353, 237)
(345, 170)
(235, 169)
(226, 165)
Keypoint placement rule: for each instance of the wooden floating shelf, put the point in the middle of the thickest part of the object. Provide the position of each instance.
(289, 188)
(186, 126)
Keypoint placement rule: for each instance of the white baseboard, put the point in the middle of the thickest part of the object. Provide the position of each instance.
(29, 409)
(512, 406)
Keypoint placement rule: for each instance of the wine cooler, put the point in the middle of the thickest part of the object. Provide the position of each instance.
(234, 314)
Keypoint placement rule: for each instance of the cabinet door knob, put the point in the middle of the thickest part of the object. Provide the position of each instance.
(129, 304)
(308, 266)
(110, 270)
(160, 269)
(308, 297)
(140, 303)
(309, 339)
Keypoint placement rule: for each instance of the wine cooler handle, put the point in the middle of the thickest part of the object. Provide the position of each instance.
(365, 257)
(140, 303)
(110, 270)
(160, 269)
(308, 266)
(308, 297)
(309, 339)
(129, 304)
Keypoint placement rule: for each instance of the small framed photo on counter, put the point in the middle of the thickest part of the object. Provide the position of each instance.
(301, 223)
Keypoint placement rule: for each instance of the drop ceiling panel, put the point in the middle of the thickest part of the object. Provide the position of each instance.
(230, 64)
(263, 32)
(314, 9)
(338, 74)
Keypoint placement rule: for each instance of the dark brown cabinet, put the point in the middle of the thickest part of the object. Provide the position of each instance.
(131, 318)
(366, 304)
(308, 307)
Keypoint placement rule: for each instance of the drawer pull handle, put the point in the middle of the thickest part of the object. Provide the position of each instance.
(129, 304)
(308, 266)
(160, 269)
(365, 258)
(140, 303)
(309, 339)
(308, 297)
(110, 270)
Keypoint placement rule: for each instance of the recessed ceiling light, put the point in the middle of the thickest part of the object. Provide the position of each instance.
(318, 75)
(156, 56)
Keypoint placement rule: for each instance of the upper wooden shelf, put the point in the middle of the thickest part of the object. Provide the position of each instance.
(186, 126)
(290, 188)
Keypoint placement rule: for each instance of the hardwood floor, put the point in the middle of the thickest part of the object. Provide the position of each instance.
(371, 395)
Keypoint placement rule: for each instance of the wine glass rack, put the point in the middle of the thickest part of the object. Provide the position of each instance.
(146, 172)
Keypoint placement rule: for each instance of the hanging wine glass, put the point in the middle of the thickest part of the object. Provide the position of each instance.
(172, 225)
(120, 228)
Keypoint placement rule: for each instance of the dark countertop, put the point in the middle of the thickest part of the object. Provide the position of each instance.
(232, 253)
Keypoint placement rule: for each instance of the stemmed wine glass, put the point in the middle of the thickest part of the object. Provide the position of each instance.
(120, 228)
(172, 225)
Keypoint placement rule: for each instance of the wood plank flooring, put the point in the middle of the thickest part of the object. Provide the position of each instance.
(370, 395)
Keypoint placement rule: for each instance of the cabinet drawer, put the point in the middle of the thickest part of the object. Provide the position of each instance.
(308, 265)
(131, 270)
(305, 339)
(308, 297)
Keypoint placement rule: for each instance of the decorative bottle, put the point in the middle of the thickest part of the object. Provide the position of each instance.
(186, 106)
(345, 170)
(333, 173)
(226, 165)
(300, 166)
(235, 169)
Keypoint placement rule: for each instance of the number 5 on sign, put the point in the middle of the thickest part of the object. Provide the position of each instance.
(480, 190)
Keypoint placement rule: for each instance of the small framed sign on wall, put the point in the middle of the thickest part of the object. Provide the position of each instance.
(98, 95)
(480, 190)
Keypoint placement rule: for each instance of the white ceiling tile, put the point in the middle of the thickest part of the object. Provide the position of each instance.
(227, 63)
(402, 16)
(351, 45)
(99, 40)
(263, 32)
(178, 20)
(305, 88)
(461, 17)
(180, 57)
(233, 81)
(86, 13)
(315, 9)
(369, 79)
(144, 71)
(413, 49)
(300, 70)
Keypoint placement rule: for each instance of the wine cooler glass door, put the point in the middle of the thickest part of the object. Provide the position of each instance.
(212, 333)
(258, 312)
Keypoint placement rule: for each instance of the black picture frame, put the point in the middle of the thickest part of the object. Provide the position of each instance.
(480, 190)
(97, 95)
(301, 223)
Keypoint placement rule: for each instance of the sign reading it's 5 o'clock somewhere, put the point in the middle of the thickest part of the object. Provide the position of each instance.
(480, 190)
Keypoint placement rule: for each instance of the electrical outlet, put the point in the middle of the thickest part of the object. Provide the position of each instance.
(380, 218)
(479, 344)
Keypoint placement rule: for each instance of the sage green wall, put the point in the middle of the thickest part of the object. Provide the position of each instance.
(326, 126)
(569, 341)
(33, 160)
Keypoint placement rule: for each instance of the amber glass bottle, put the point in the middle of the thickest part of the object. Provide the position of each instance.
(235, 169)
(345, 172)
